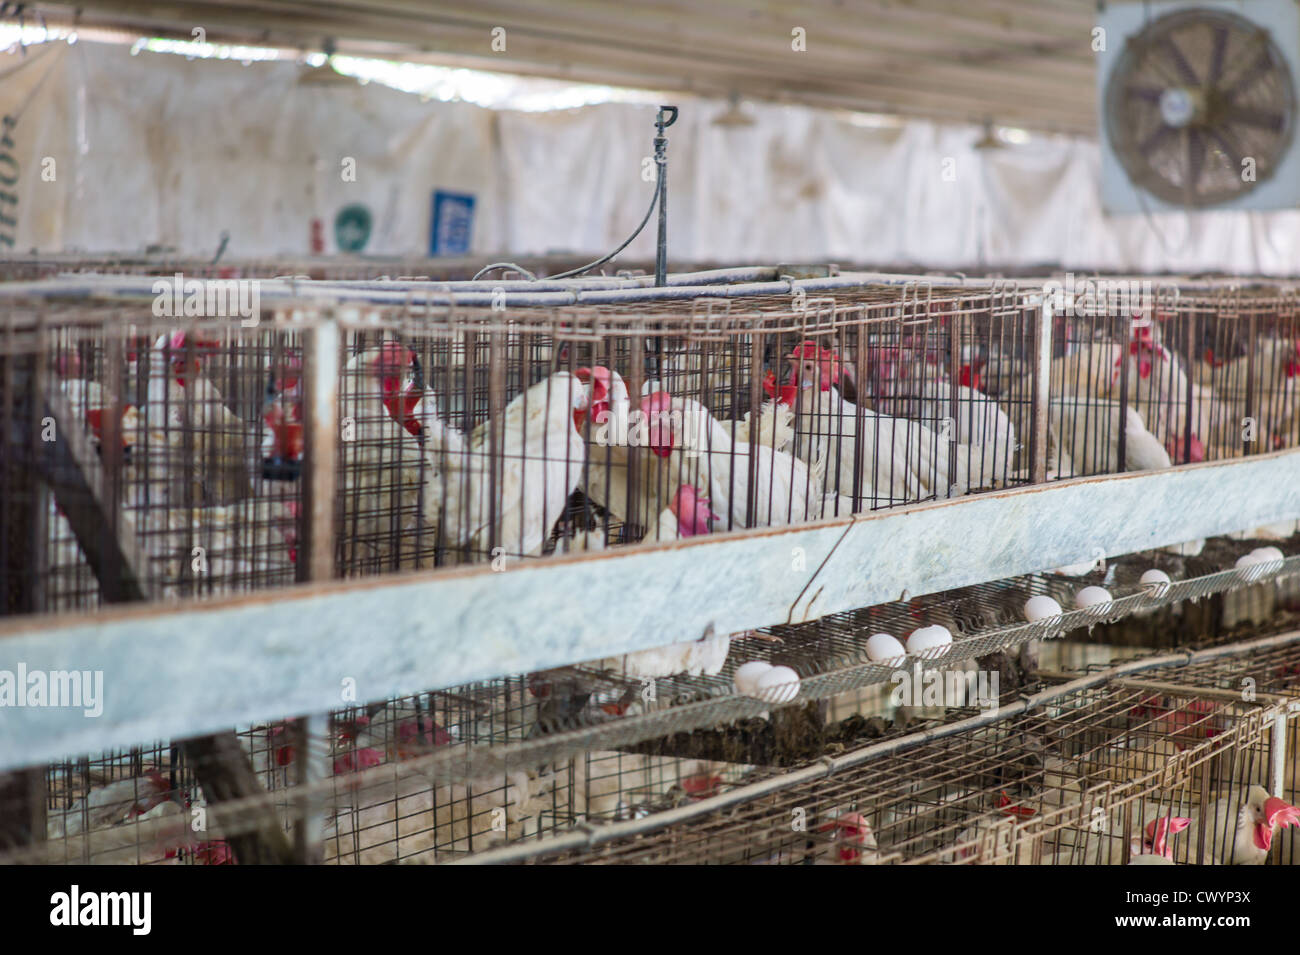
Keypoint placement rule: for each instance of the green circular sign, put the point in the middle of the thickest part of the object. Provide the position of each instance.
(352, 228)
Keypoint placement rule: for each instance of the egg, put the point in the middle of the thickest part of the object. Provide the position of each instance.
(1041, 607)
(1154, 576)
(777, 685)
(1247, 566)
(1092, 597)
(1260, 563)
(747, 674)
(936, 639)
(884, 646)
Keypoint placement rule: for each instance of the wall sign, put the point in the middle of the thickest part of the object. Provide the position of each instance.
(352, 228)
(452, 223)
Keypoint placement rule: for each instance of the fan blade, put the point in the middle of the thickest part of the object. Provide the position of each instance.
(1157, 138)
(1258, 118)
(1195, 159)
(1148, 94)
(1232, 81)
(1185, 71)
(1229, 150)
(1216, 56)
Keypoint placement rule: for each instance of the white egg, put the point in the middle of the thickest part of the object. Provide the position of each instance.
(935, 639)
(884, 646)
(1154, 576)
(1091, 597)
(1041, 607)
(747, 675)
(1249, 566)
(778, 685)
(1267, 554)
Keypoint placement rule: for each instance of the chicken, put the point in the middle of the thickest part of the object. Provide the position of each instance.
(543, 454)
(852, 839)
(1107, 848)
(703, 657)
(699, 449)
(610, 786)
(401, 818)
(208, 550)
(687, 515)
(196, 450)
(605, 480)
(392, 486)
(1090, 432)
(1158, 383)
(108, 805)
(988, 841)
(900, 461)
(1240, 827)
(1275, 389)
(282, 414)
(775, 424)
(928, 394)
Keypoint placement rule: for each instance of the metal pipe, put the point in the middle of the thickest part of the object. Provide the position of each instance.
(517, 294)
(661, 160)
(581, 283)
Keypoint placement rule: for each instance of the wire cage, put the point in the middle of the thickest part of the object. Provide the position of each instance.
(146, 460)
(1079, 781)
(1270, 674)
(149, 457)
(471, 435)
(370, 798)
(512, 761)
(1172, 375)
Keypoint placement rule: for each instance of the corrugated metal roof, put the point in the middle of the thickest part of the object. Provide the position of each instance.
(1017, 62)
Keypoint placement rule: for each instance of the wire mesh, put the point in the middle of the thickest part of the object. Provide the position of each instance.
(475, 435)
(1079, 781)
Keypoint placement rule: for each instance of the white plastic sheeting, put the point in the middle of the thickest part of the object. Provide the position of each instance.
(155, 149)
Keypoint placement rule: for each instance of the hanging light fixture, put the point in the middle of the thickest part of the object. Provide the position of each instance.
(733, 116)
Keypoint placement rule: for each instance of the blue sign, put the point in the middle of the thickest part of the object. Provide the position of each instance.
(453, 223)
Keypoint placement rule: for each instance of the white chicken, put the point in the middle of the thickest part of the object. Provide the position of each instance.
(1241, 827)
(900, 461)
(111, 804)
(700, 450)
(392, 487)
(1107, 847)
(542, 455)
(405, 818)
(218, 549)
(1275, 389)
(195, 449)
(1090, 429)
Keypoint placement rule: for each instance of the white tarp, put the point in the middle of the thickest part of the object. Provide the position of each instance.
(159, 150)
